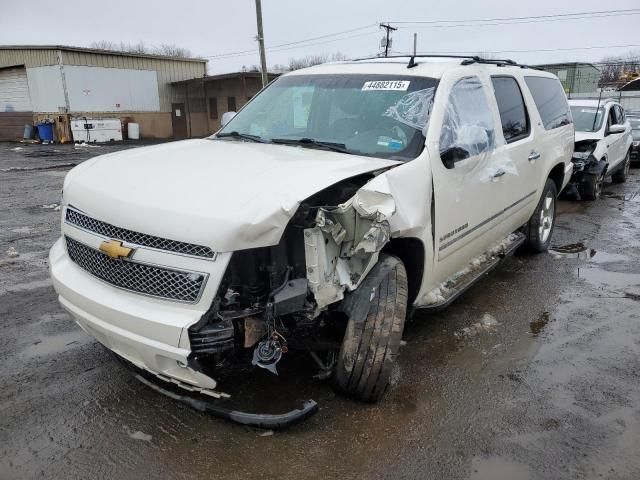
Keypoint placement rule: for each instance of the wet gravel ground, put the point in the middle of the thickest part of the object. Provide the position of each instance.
(532, 374)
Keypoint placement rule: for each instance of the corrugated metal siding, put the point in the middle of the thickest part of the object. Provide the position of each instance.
(99, 89)
(168, 70)
(14, 90)
(45, 88)
(28, 57)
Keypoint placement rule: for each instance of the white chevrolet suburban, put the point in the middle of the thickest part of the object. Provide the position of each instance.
(339, 200)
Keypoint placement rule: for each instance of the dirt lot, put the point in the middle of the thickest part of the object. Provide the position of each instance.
(532, 374)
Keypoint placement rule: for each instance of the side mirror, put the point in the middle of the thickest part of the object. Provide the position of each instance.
(617, 128)
(226, 118)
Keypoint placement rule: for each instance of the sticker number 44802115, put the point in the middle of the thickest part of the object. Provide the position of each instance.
(386, 85)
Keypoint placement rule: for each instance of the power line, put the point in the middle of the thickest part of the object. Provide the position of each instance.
(273, 50)
(273, 47)
(539, 20)
(518, 18)
(525, 51)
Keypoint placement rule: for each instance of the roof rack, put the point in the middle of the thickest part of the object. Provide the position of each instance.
(467, 60)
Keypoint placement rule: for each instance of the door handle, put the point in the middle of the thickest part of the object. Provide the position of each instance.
(533, 156)
(499, 173)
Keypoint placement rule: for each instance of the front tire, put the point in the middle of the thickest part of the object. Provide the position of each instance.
(591, 186)
(621, 175)
(543, 220)
(377, 311)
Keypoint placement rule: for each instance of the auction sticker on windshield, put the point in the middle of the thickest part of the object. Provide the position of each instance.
(386, 85)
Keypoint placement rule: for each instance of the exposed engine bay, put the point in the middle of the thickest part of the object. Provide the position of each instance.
(583, 155)
(288, 295)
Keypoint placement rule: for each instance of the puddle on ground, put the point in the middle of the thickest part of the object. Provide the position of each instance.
(497, 468)
(573, 250)
(583, 252)
(539, 323)
(599, 277)
(571, 207)
(55, 344)
(629, 197)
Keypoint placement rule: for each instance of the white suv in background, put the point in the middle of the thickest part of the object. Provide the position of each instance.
(603, 145)
(339, 200)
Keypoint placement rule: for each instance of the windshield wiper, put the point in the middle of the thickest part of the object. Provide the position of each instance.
(244, 136)
(310, 142)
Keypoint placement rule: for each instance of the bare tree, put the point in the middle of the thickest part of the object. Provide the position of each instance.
(310, 60)
(166, 50)
(617, 70)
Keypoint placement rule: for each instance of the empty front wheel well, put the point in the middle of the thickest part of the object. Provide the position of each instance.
(411, 252)
(557, 175)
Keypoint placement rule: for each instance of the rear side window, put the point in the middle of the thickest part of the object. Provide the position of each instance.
(550, 100)
(513, 113)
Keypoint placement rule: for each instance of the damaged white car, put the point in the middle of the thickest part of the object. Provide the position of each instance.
(603, 145)
(339, 200)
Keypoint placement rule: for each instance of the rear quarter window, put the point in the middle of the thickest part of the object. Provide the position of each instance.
(550, 101)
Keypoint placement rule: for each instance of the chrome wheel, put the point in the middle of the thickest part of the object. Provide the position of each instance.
(547, 214)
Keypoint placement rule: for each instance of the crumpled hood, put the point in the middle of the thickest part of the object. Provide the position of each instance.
(228, 195)
(588, 136)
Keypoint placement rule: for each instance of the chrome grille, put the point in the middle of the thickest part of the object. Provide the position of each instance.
(138, 277)
(106, 229)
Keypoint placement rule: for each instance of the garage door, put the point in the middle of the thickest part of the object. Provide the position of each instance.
(15, 103)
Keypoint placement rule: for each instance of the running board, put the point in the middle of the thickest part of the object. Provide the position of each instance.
(467, 281)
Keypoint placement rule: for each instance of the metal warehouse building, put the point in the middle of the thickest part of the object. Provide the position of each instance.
(207, 98)
(61, 82)
(576, 77)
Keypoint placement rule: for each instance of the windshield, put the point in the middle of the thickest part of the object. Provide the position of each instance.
(586, 119)
(374, 115)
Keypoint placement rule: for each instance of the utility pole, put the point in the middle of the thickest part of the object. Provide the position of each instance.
(263, 58)
(389, 29)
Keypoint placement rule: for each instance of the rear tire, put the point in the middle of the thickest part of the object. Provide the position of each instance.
(621, 175)
(377, 311)
(591, 186)
(543, 220)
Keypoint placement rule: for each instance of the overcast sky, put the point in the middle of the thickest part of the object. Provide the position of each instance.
(210, 28)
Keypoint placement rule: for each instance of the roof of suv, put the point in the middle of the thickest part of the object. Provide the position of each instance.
(588, 102)
(424, 66)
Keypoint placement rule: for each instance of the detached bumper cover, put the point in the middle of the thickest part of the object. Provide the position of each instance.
(214, 407)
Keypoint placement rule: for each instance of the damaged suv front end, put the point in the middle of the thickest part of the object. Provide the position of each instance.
(237, 248)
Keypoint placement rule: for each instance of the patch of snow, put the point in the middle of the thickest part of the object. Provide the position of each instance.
(138, 435)
(438, 294)
(52, 206)
(487, 323)
(267, 433)
(84, 145)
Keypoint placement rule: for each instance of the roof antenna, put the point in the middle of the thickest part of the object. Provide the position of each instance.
(595, 116)
(412, 62)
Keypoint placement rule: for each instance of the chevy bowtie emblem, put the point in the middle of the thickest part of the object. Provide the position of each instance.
(115, 250)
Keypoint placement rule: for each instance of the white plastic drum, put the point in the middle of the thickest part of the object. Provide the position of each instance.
(133, 130)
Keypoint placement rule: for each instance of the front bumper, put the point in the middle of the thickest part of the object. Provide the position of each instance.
(150, 333)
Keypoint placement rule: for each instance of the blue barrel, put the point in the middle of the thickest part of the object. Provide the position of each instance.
(45, 131)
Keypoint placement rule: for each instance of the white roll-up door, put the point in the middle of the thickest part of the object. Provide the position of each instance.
(15, 103)
(14, 90)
